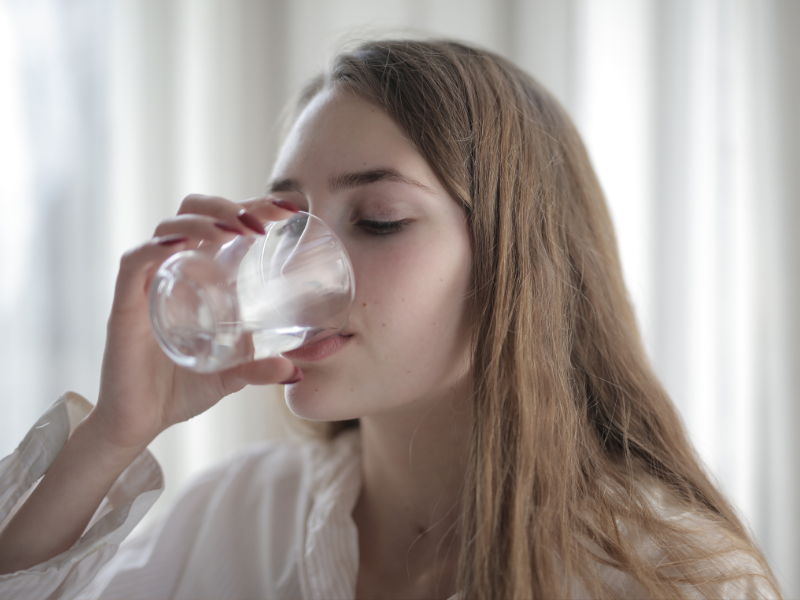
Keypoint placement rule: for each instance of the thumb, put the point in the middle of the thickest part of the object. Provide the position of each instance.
(266, 371)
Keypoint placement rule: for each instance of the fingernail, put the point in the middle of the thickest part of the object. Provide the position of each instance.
(251, 222)
(286, 205)
(169, 240)
(297, 376)
(228, 227)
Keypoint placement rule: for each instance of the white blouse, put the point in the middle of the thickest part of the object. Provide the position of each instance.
(273, 522)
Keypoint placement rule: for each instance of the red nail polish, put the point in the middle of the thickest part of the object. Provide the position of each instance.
(286, 205)
(297, 376)
(227, 227)
(251, 222)
(169, 240)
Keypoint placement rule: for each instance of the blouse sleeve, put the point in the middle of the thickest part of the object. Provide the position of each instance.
(131, 496)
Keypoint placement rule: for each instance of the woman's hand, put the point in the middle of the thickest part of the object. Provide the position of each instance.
(142, 392)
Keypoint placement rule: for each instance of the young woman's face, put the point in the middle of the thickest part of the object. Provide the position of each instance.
(407, 341)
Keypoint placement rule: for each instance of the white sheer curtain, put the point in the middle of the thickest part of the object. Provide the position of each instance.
(111, 112)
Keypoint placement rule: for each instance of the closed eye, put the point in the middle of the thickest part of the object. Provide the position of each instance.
(382, 227)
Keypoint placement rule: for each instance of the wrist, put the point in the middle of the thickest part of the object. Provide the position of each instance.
(95, 432)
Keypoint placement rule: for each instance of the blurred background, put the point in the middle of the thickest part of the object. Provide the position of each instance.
(111, 112)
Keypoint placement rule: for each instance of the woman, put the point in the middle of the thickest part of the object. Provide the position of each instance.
(511, 439)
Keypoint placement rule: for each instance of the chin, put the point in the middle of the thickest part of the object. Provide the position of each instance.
(315, 403)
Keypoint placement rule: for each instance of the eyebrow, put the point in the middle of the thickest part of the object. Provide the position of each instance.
(346, 181)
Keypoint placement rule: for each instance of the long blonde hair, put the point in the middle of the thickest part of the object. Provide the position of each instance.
(573, 437)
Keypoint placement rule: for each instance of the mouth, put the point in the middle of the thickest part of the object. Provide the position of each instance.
(319, 350)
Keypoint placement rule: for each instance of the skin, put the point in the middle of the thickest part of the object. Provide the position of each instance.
(403, 369)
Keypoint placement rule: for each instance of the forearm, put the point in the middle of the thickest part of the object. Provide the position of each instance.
(56, 514)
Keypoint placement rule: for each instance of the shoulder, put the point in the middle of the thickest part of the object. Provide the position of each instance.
(241, 523)
(273, 463)
(664, 546)
(272, 475)
(281, 462)
(731, 566)
(721, 563)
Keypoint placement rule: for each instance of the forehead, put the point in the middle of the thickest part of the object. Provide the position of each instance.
(338, 126)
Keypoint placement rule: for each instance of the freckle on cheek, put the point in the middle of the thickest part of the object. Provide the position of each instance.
(364, 304)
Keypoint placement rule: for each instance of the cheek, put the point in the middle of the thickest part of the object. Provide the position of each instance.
(412, 329)
(411, 304)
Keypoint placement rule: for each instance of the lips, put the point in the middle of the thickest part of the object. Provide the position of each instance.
(319, 350)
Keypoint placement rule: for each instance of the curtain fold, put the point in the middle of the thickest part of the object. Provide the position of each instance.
(110, 113)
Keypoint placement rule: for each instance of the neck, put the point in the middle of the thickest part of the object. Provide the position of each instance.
(413, 469)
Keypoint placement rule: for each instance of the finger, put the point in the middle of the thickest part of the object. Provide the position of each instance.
(222, 211)
(270, 209)
(255, 210)
(200, 227)
(262, 372)
(212, 206)
(138, 265)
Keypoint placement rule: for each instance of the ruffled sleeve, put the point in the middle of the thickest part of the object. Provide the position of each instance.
(131, 496)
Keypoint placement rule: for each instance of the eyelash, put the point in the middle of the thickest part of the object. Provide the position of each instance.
(382, 227)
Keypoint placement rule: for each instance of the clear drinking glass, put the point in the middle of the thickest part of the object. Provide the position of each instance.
(256, 296)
